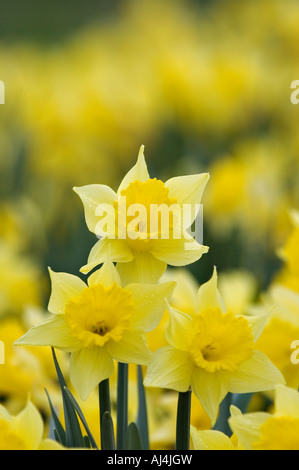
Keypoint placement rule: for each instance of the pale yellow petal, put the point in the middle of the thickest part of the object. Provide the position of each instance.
(106, 275)
(149, 304)
(53, 332)
(208, 295)
(29, 425)
(64, 288)
(210, 389)
(255, 375)
(179, 252)
(286, 401)
(179, 329)
(107, 249)
(132, 348)
(210, 440)
(92, 196)
(89, 367)
(257, 324)
(144, 269)
(50, 444)
(138, 172)
(171, 369)
(246, 426)
(187, 189)
(184, 297)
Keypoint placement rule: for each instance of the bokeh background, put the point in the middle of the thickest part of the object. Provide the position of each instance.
(204, 85)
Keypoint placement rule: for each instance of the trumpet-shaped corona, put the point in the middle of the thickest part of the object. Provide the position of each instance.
(221, 341)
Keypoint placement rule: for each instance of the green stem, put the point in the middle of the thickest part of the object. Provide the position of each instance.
(122, 405)
(183, 421)
(104, 400)
(242, 401)
(142, 421)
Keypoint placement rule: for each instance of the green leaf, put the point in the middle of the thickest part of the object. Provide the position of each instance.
(92, 441)
(74, 437)
(108, 439)
(133, 439)
(56, 436)
(87, 444)
(60, 432)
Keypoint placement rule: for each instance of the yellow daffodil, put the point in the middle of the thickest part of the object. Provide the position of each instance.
(266, 431)
(24, 431)
(98, 323)
(213, 352)
(142, 248)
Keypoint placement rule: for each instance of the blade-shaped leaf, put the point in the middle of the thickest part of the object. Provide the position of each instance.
(108, 439)
(74, 437)
(81, 416)
(60, 432)
(133, 439)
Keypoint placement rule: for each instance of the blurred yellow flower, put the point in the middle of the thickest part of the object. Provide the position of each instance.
(281, 329)
(20, 281)
(238, 288)
(24, 431)
(26, 370)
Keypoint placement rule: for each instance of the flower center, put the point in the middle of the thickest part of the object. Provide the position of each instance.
(221, 341)
(145, 212)
(99, 314)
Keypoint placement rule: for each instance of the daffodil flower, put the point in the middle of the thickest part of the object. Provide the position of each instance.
(266, 431)
(24, 431)
(99, 322)
(143, 245)
(212, 352)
